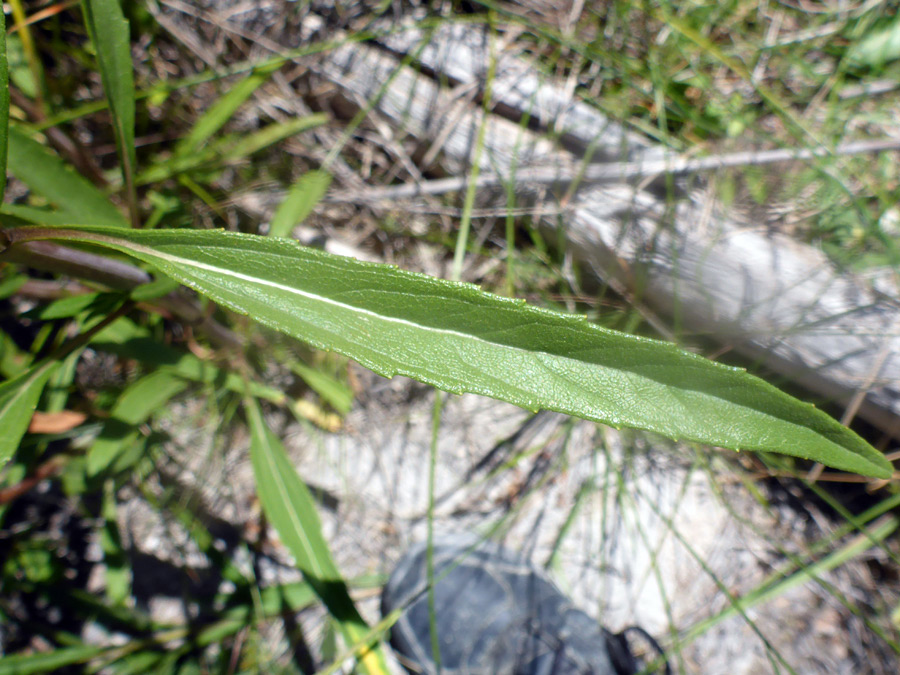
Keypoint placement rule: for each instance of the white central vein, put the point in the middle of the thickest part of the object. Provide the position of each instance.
(177, 260)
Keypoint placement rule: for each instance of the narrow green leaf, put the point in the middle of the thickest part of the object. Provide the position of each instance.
(878, 47)
(109, 33)
(136, 404)
(338, 395)
(64, 308)
(461, 339)
(299, 203)
(42, 216)
(177, 164)
(136, 664)
(48, 176)
(288, 504)
(4, 105)
(114, 440)
(48, 662)
(10, 284)
(153, 290)
(115, 560)
(224, 109)
(13, 361)
(18, 400)
(290, 508)
(229, 149)
(295, 596)
(20, 73)
(61, 382)
(271, 134)
(782, 581)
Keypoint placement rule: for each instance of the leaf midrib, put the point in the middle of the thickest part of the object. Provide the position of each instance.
(177, 260)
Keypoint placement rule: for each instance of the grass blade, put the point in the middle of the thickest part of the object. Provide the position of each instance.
(271, 134)
(299, 203)
(47, 175)
(290, 508)
(4, 105)
(779, 585)
(229, 149)
(109, 33)
(222, 110)
(47, 662)
(461, 339)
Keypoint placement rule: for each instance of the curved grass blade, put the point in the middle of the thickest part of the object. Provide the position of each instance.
(288, 505)
(269, 135)
(230, 149)
(4, 105)
(109, 33)
(223, 110)
(46, 174)
(461, 339)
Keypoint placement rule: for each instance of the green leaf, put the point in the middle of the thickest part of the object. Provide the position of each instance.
(224, 109)
(878, 47)
(42, 216)
(461, 339)
(258, 140)
(338, 395)
(46, 174)
(299, 203)
(136, 404)
(10, 284)
(290, 508)
(13, 361)
(4, 105)
(48, 662)
(115, 559)
(64, 308)
(138, 663)
(229, 149)
(155, 289)
(20, 73)
(61, 382)
(109, 33)
(781, 581)
(18, 400)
